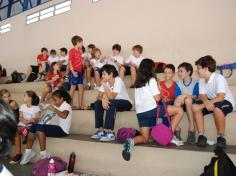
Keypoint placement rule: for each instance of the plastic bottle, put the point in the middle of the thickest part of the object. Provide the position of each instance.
(52, 86)
(51, 168)
(71, 163)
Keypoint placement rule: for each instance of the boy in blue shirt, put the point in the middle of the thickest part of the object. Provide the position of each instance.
(186, 91)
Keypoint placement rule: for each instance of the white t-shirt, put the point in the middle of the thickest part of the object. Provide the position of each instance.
(116, 61)
(119, 88)
(134, 60)
(28, 112)
(53, 59)
(87, 55)
(216, 84)
(64, 58)
(144, 96)
(97, 63)
(64, 123)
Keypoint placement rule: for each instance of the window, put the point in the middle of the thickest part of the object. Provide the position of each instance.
(5, 28)
(49, 12)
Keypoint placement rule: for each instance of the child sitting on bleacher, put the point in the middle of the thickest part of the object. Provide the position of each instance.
(64, 60)
(53, 80)
(60, 127)
(133, 62)
(41, 66)
(76, 66)
(215, 97)
(185, 93)
(147, 95)
(116, 100)
(29, 114)
(6, 96)
(97, 63)
(53, 57)
(117, 60)
(87, 56)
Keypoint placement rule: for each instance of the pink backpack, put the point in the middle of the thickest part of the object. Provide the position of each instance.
(41, 166)
(125, 133)
(161, 133)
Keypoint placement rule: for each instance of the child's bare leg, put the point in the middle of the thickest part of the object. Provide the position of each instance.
(188, 104)
(45, 93)
(144, 137)
(198, 117)
(176, 114)
(133, 74)
(67, 69)
(18, 142)
(43, 68)
(42, 140)
(219, 118)
(97, 78)
(122, 72)
(72, 92)
(81, 94)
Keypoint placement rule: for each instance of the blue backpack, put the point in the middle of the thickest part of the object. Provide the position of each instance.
(230, 67)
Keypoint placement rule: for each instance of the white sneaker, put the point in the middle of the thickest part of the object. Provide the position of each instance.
(176, 141)
(44, 156)
(98, 135)
(109, 136)
(27, 157)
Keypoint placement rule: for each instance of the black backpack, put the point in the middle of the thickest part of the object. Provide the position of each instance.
(220, 165)
(32, 77)
(16, 77)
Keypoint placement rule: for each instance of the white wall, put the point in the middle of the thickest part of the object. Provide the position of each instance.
(169, 30)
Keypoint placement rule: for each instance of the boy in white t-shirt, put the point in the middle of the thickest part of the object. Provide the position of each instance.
(133, 61)
(64, 60)
(117, 100)
(117, 60)
(53, 57)
(215, 97)
(60, 128)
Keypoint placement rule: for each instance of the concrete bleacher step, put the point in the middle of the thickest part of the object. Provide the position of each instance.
(83, 122)
(149, 159)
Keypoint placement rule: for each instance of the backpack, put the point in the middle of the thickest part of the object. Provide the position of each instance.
(161, 133)
(125, 133)
(16, 77)
(220, 165)
(32, 77)
(41, 166)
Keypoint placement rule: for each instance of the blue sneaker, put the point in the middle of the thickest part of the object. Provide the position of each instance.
(108, 136)
(126, 153)
(98, 134)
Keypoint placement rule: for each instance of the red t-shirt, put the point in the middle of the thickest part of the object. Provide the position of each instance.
(50, 76)
(76, 59)
(167, 93)
(42, 57)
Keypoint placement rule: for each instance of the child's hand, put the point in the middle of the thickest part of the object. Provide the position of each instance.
(51, 107)
(209, 105)
(103, 82)
(105, 104)
(75, 74)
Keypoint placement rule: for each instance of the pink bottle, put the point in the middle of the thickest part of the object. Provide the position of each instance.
(51, 168)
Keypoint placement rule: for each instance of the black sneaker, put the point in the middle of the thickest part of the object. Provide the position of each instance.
(16, 159)
(126, 153)
(191, 138)
(221, 142)
(202, 141)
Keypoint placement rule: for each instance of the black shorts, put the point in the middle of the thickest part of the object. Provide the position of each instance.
(225, 106)
(35, 69)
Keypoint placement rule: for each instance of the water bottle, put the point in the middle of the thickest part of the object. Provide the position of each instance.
(71, 163)
(52, 86)
(51, 168)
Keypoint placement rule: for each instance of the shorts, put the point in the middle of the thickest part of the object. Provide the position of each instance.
(99, 70)
(225, 106)
(49, 130)
(75, 81)
(147, 119)
(35, 69)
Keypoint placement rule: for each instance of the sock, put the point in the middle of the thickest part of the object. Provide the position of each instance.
(220, 135)
(44, 152)
(28, 150)
(89, 84)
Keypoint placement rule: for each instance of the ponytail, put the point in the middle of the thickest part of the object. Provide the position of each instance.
(34, 97)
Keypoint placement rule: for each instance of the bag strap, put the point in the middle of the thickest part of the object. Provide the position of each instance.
(216, 168)
(166, 112)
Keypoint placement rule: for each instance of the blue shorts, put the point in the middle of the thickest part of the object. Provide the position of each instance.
(75, 81)
(47, 67)
(49, 130)
(147, 119)
(225, 106)
(163, 113)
